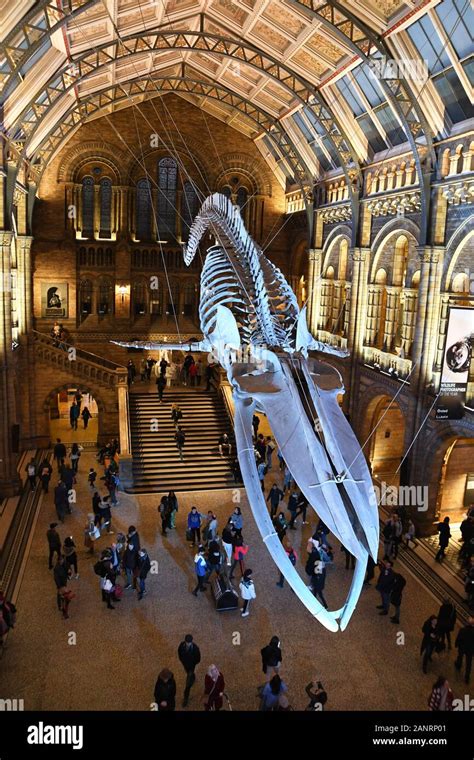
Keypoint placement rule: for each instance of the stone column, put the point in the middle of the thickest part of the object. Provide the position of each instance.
(9, 479)
(126, 473)
(314, 288)
(357, 317)
(24, 283)
(391, 314)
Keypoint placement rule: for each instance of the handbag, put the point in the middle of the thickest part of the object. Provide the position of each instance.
(108, 586)
(94, 533)
(189, 535)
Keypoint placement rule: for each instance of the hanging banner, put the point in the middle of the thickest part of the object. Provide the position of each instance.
(456, 363)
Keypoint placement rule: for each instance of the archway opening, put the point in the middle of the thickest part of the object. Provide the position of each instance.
(386, 446)
(73, 416)
(456, 482)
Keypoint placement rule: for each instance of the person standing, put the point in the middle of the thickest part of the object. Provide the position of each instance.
(193, 370)
(465, 645)
(275, 495)
(91, 478)
(210, 530)
(318, 581)
(280, 526)
(198, 371)
(32, 473)
(271, 657)
(293, 507)
(144, 567)
(444, 536)
(240, 550)
(180, 438)
(59, 453)
(228, 538)
(61, 500)
(370, 571)
(255, 425)
(190, 656)
(173, 509)
(160, 386)
(73, 415)
(86, 415)
(54, 544)
(292, 556)
(247, 592)
(194, 525)
(164, 511)
(163, 366)
(441, 697)
(165, 691)
(384, 585)
(130, 560)
(272, 693)
(45, 474)
(237, 521)
(270, 448)
(214, 560)
(396, 593)
(200, 568)
(446, 621)
(214, 686)
(430, 640)
(287, 479)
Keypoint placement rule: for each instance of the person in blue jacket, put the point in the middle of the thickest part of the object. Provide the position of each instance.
(237, 521)
(200, 567)
(194, 525)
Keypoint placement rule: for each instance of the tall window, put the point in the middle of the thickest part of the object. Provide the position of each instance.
(189, 207)
(105, 208)
(167, 181)
(88, 207)
(106, 300)
(143, 210)
(85, 299)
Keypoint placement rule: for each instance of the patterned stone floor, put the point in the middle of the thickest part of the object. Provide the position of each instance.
(114, 657)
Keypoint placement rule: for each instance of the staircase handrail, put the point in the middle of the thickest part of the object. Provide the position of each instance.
(80, 352)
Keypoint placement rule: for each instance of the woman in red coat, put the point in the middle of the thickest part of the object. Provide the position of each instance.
(214, 686)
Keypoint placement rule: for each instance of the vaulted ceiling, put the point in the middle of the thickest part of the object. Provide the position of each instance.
(271, 69)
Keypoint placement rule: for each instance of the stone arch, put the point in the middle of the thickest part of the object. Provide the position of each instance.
(249, 166)
(390, 232)
(428, 471)
(192, 159)
(333, 256)
(103, 418)
(364, 423)
(64, 387)
(454, 248)
(87, 151)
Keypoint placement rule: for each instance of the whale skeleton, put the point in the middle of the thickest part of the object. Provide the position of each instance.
(247, 307)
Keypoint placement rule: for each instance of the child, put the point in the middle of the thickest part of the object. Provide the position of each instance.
(92, 477)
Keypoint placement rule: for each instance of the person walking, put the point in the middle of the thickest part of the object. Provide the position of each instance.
(214, 686)
(247, 592)
(59, 453)
(193, 370)
(189, 656)
(275, 495)
(86, 416)
(54, 543)
(144, 567)
(228, 538)
(429, 641)
(281, 526)
(91, 478)
(441, 697)
(210, 529)
(73, 415)
(272, 693)
(69, 552)
(396, 593)
(176, 415)
(287, 479)
(45, 471)
(200, 568)
(237, 521)
(165, 691)
(292, 556)
(271, 657)
(61, 578)
(293, 507)
(74, 456)
(255, 425)
(164, 510)
(384, 585)
(130, 562)
(465, 645)
(262, 471)
(160, 386)
(270, 448)
(194, 526)
(31, 471)
(446, 621)
(105, 515)
(317, 695)
(188, 361)
(61, 501)
(214, 560)
(180, 438)
(444, 536)
(318, 581)
(410, 534)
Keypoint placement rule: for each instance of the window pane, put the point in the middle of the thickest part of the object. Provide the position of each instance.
(189, 208)
(368, 85)
(167, 180)
(453, 96)
(369, 129)
(458, 22)
(429, 44)
(303, 127)
(87, 207)
(105, 208)
(324, 162)
(143, 210)
(469, 69)
(393, 130)
(349, 94)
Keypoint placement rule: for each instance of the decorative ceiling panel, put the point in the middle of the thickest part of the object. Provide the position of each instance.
(312, 66)
(230, 10)
(324, 46)
(270, 37)
(279, 15)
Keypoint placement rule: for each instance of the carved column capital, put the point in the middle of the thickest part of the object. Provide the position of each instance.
(5, 238)
(360, 254)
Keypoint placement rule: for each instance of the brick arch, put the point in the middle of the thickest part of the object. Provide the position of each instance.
(454, 247)
(250, 166)
(364, 421)
(87, 151)
(332, 251)
(64, 387)
(388, 234)
(133, 167)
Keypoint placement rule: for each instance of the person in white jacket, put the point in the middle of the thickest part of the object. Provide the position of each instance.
(247, 591)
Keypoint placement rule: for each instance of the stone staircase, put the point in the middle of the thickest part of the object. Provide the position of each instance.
(156, 463)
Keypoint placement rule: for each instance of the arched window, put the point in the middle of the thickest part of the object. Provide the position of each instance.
(143, 210)
(106, 302)
(226, 191)
(139, 298)
(105, 208)
(189, 208)
(242, 197)
(167, 181)
(172, 298)
(85, 299)
(88, 207)
(156, 297)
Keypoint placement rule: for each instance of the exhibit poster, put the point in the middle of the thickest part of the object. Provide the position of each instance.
(54, 300)
(456, 363)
